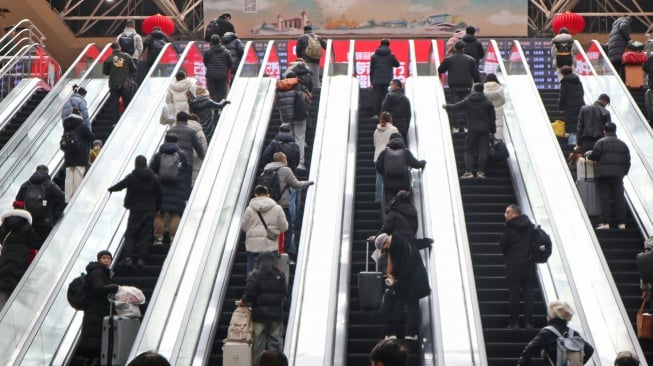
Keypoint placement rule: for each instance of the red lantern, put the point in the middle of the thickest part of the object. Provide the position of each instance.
(166, 24)
(573, 22)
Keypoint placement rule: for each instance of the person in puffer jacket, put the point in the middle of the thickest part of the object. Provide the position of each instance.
(563, 42)
(77, 101)
(473, 47)
(381, 70)
(17, 238)
(206, 109)
(258, 239)
(76, 157)
(619, 38)
(572, 99)
(266, 291)
(219, 67)
(178, 91)
(232, 43)
(493, 91)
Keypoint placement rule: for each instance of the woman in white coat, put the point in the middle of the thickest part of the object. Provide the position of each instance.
(494, 93)
(178, 92)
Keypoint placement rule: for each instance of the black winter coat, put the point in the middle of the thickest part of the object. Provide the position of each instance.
(17, 238)
(119, 67)
(612, 155)
(515, 244)
(235, 47)
(174, 194)
(77, 157)
(304, 75)
(473, 47)
(462, 71)
(143, 190)
(619, 38)
(292, 105)
(217, 60)
(545, 340)
(402, 183)
(381, 64)
(53, 194)
(408, 268)
(99, 287)
(479, 113)
(266, 291)
(302, 44)
(398, 105)
(571, 100)
(148, 44)
(188, 140)
(591, 120)
(203, 106)
(401, 219)
(273, 147)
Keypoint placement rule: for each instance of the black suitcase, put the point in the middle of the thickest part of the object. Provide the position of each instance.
(370, 285)
(645, 265)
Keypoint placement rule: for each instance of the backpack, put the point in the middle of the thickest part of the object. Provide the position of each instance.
(270, 179)
(169, 167)
(77, 292)
(157, 46)
(241, 328)
(70, 142)
(563, 54)
(288, 149)
(569, 347)
(394, 164)
(211, 29)
(127, 43)
(36, 201)
(541, 245)
(314, 47)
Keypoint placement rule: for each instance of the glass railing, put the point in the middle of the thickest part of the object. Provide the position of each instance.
(37, 315)
(43, 126)
(10, 105)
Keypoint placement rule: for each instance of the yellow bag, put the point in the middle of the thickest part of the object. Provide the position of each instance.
(558, 128)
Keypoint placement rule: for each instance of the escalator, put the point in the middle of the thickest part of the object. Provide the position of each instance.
(238, 277)
(21, 116)
(484, 202)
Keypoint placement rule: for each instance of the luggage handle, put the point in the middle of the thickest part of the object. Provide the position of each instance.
(367, 256)
(641, 308)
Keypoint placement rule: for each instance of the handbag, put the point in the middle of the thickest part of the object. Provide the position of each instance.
(644, 323)
(497, 151)
(270, 235)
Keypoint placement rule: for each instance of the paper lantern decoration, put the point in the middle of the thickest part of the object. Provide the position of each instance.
(573, 22)
(158, 20)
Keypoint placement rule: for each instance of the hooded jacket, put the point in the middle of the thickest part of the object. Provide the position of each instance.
(235, 47)
(612, 155)
(473, 47)
(292, 104)
(143, 190)
(451, 42)
(201, 136)
(381, 65)
(591, 120)
(203, 106)
(174, 194)
(304, 74)
(188, 139)
(99, 288)
(408, 268)
(17, 238)
(572, 99)
(177, 94)
(273, 146)
(217, 60)
(53, 194)
(401, 219)
(398, 183)
(149, 44)
(119, 67)
(266, 291)
(462, 70)
(398, 105)
(287, 180)
(382, 137)
(76, 101)
(563, 38)
(493, 91)
(79, 157)
(546, 341)
(256, 237)
(619, 38)
(515, 244)
(479, 113)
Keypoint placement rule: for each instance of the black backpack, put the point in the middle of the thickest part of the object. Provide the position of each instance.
(36, 200)
(394, 164)
(270, 179)
(211, 29)
(169, 167)
(70, 142)
(288, 149)
(157, 46)
(563, 54)
(541, 245)
(127, 43)
(77, 292)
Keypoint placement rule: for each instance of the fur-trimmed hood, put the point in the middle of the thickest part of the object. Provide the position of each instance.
(18, 213)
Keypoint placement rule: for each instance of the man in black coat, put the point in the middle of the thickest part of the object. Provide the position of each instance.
(619, 38)
(481, 125)
(18, 239)
(462, 73)
(398, 105)
(473, 47)
(381, 70)
(571, 100)
(52, 201)
(283, 142)
(312, 63)
(154, 43)
(175, 192)
(401, 216)
(143, 200)
(219, 27)
(613, 162)
(119, 67)
(76, 155)
(515, 244)
(97, 307)
(394, 180)
(591, 121)
(219, 67)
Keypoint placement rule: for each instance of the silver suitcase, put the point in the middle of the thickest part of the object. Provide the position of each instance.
(284, 265)
(118, 334)
(236, 354)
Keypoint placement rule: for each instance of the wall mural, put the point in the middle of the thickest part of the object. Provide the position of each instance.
(410, 18)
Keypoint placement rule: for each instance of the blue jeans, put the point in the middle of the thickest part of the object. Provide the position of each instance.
(251, 260)
(288, 243)
(378, 192)
(267, 335)
(571, 139)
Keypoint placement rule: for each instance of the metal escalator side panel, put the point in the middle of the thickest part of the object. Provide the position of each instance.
(11, 104)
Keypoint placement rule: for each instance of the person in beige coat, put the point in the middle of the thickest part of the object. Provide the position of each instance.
(262, 223)
(178, 90)
(384, 129)
(494, 93)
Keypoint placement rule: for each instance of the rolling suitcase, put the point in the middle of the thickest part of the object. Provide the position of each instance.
(284, 265)
(645, 265)
(370, 285)
(118, 334)
(585, 168)
(588, 187)
(236, 354)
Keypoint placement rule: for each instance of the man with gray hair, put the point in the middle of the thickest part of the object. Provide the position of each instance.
(130, 41)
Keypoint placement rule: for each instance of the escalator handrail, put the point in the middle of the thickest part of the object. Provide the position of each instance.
(16, 99)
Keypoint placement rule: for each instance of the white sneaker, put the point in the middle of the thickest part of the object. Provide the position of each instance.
(390, 337)
(622, 226)
(301, 166)
(603, 227)
(467, 175)
(411, 338)
(158, 241)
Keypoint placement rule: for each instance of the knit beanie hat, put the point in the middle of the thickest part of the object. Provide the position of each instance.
(103, 253)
